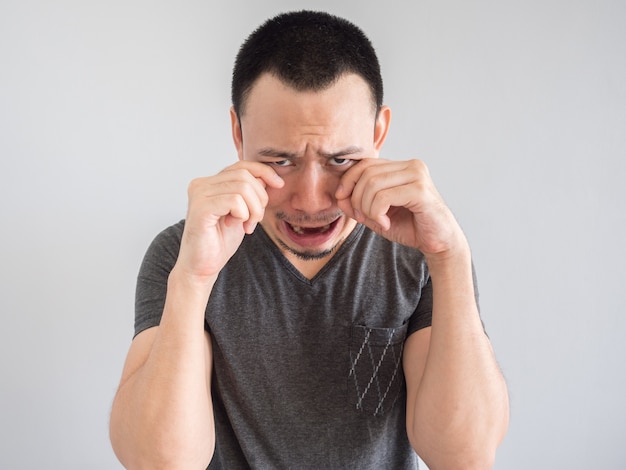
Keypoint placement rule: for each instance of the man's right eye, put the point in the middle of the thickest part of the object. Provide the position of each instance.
(281, 163)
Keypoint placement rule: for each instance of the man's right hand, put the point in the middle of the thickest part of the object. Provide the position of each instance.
(221, 210)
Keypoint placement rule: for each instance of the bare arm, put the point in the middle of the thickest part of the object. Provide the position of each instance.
(457, 402)
(162, 415)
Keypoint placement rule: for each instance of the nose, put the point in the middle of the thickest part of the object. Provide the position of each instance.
(313, 190)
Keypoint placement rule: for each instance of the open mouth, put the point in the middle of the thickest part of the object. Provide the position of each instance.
(310, 230)
(311, 236)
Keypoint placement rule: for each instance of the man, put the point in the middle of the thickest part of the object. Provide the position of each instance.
(316, 309)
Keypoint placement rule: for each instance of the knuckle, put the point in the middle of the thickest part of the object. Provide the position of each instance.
(194, 185)
(418, 166)
(377, 179)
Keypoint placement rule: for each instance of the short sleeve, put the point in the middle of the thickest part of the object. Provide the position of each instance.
(152, 278)
(422, 318)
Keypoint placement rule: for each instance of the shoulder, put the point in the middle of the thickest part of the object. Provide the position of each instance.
(162, 253)
(171, 235)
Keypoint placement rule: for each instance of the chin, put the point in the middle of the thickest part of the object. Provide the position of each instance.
(309, 254)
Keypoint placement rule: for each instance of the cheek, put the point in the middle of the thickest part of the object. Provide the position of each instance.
(277, 197)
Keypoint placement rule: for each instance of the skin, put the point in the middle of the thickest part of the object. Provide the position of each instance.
(310, 140)
(308, 171)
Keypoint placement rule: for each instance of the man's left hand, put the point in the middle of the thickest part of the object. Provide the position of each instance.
(398, 200)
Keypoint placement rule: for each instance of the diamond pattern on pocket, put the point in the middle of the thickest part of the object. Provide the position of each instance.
(375, 370)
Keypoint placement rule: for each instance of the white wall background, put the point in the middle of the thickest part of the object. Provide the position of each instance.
(108, 109)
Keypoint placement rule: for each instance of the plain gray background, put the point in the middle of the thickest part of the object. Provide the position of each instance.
(108, 109)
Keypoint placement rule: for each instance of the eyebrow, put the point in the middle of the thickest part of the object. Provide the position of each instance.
(274, 153)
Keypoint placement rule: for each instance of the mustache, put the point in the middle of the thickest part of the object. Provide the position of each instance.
(309, 219)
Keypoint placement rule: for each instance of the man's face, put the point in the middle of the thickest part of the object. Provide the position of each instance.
(310, 139)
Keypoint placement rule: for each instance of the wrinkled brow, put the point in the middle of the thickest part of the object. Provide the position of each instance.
(274, 153)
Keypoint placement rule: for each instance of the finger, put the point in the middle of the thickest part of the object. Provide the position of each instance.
(381, 185)
(212, 209)
(372, 180)
(237, 179)
(248, 207)
(351, 177)
(385, 200)
(242, 199)
(345, 206)
(266, 175)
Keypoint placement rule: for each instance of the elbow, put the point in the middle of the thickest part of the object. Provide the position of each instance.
(470, 450)
(148, 451)
(480, 459)
(163, 459)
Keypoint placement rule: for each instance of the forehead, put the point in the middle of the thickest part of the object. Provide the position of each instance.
(269, 93)
(279, 117)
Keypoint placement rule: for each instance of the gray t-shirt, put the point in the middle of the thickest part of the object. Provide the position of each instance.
(307, 373)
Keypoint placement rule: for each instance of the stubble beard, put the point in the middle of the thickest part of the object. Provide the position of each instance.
(310, 255)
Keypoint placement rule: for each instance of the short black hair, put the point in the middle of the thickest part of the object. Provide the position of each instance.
(308, 51)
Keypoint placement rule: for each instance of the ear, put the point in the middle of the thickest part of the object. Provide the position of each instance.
(382, 127)
(237, 133)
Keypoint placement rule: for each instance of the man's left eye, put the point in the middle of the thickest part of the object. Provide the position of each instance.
(337, 161)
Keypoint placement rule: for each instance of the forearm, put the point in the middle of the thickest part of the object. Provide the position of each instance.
(460, 409)
(162, 415)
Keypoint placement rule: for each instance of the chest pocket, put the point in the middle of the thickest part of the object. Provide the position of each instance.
(376, 378)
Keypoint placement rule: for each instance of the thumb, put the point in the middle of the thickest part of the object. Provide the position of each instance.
(345, 207)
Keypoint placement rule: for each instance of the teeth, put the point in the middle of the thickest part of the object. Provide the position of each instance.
(300, 230)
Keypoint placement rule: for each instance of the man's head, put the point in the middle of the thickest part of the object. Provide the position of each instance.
(308, 51)
(307, 101)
